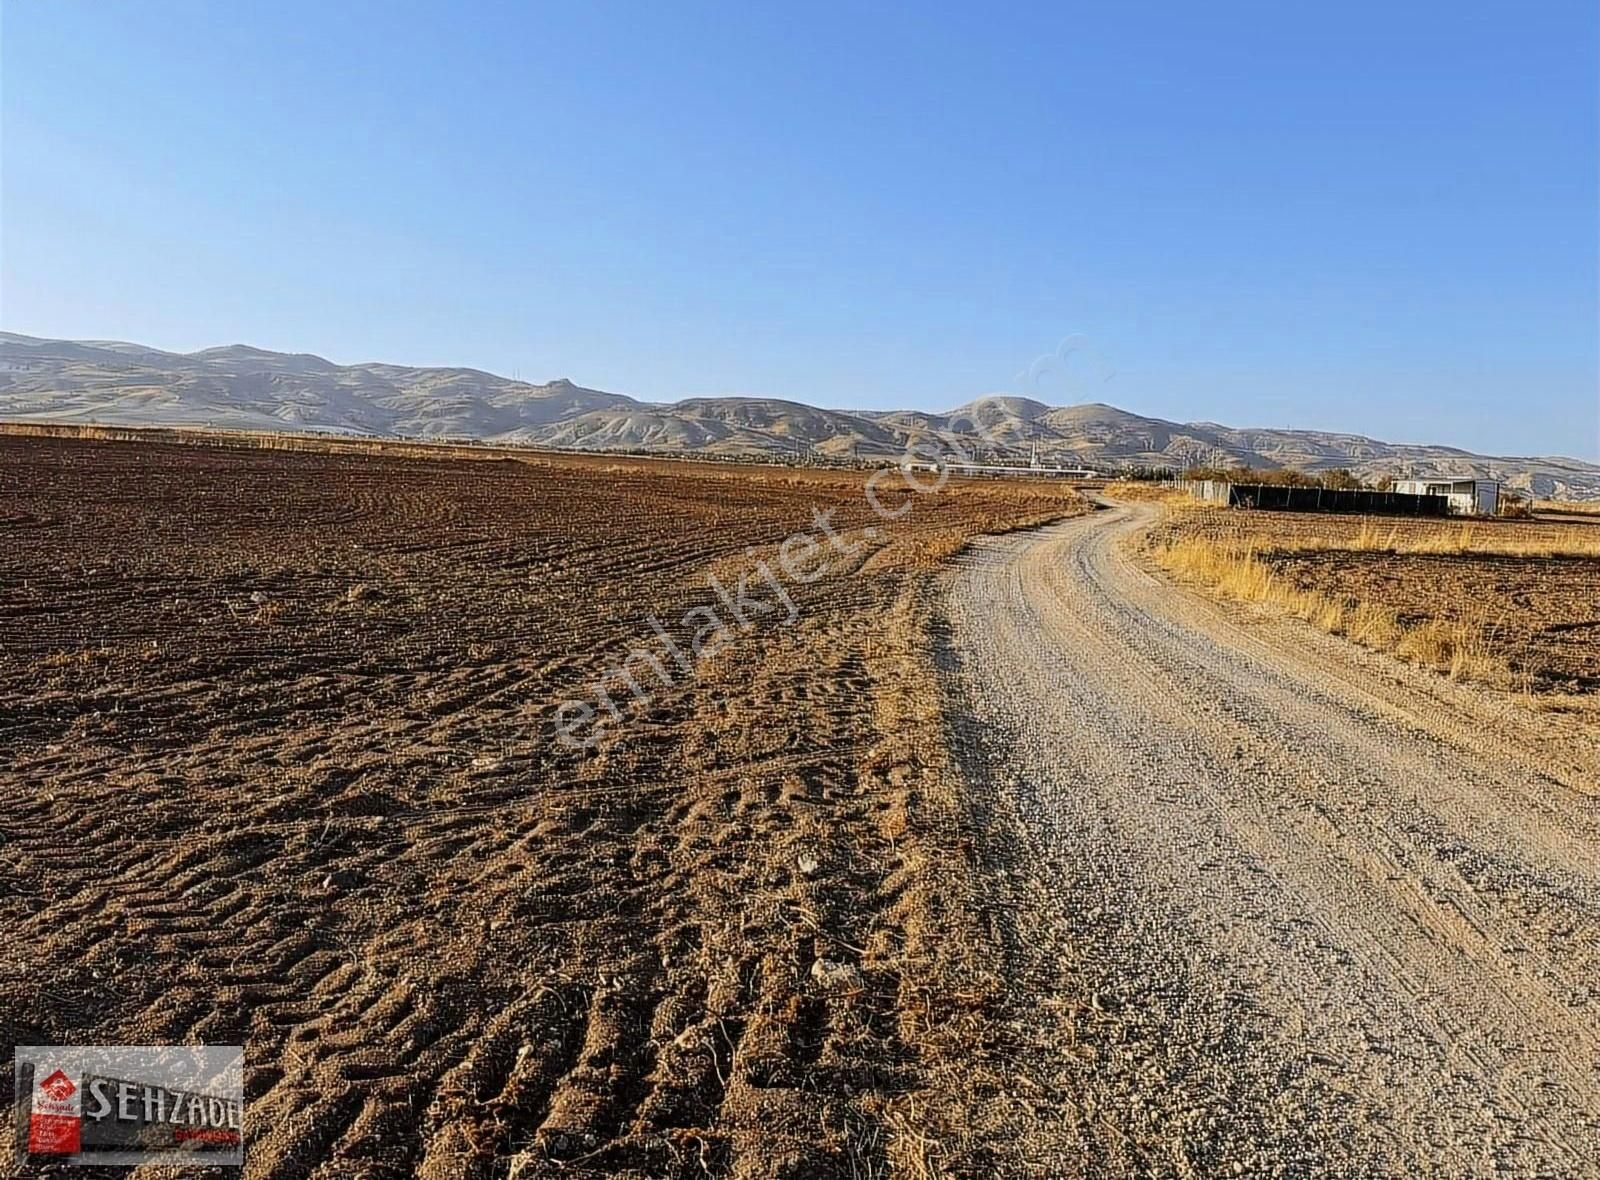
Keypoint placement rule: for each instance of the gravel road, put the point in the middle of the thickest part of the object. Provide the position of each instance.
(1274, 905)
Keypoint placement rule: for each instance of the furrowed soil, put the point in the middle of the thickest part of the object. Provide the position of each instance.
(1539, 612)
(279, 769)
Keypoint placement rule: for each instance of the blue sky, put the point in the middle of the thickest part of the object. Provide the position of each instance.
(1372, 217)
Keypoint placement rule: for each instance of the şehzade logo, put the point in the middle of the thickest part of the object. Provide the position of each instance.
(132, 1104)
(54, 1122)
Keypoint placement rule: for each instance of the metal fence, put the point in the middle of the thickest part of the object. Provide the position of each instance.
(1286, 498)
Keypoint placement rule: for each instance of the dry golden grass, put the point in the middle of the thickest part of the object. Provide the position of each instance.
(1134, 489)
(1233, 570)
(1568, 507)
(1470, 537)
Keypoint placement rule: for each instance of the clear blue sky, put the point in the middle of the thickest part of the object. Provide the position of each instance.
(1378, 217)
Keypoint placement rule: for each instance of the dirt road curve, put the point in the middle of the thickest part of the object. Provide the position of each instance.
(1280, 907)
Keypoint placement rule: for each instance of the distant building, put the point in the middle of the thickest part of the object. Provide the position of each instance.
(1468, 495)
(1033, 470)
(1280, 497)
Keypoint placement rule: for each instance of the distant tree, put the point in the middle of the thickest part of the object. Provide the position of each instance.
(1144, 473)
(1277, 476)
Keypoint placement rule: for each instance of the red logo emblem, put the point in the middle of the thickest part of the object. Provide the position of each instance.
(59, 1086)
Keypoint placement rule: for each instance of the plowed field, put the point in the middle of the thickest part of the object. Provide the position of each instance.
(279, 769)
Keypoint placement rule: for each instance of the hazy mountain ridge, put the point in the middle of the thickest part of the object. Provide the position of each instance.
(240, 387)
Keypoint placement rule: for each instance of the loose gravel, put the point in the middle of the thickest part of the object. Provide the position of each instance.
(1272, 905)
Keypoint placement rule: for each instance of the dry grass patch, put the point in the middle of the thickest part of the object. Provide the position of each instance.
(1521, 590)
(1235, 570)
(1471, 537)
(1568, 507)
(1135, 489)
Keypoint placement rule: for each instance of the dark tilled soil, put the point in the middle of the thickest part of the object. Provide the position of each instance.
(1544, 611)
(278, 771)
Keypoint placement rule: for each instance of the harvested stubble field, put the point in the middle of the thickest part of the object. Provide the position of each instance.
(1567, 508)
(279, 771)
(1511, 603)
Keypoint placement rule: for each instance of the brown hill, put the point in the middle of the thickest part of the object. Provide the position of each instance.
(240, 387)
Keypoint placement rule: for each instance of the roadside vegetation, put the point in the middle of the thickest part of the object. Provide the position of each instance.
(1508, 603)
(1383, 536)
(1236, 570)
(1568, 507)
(1339, 477)
(1133, 489)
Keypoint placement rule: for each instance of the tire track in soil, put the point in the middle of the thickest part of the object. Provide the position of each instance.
(336, 830)
(1290, 914)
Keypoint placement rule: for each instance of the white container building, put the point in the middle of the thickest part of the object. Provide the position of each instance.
(1468, 495)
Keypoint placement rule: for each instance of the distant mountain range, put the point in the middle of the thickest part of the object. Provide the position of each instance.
(238, 387)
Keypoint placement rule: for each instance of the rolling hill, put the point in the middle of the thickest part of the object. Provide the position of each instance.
(239, 387)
